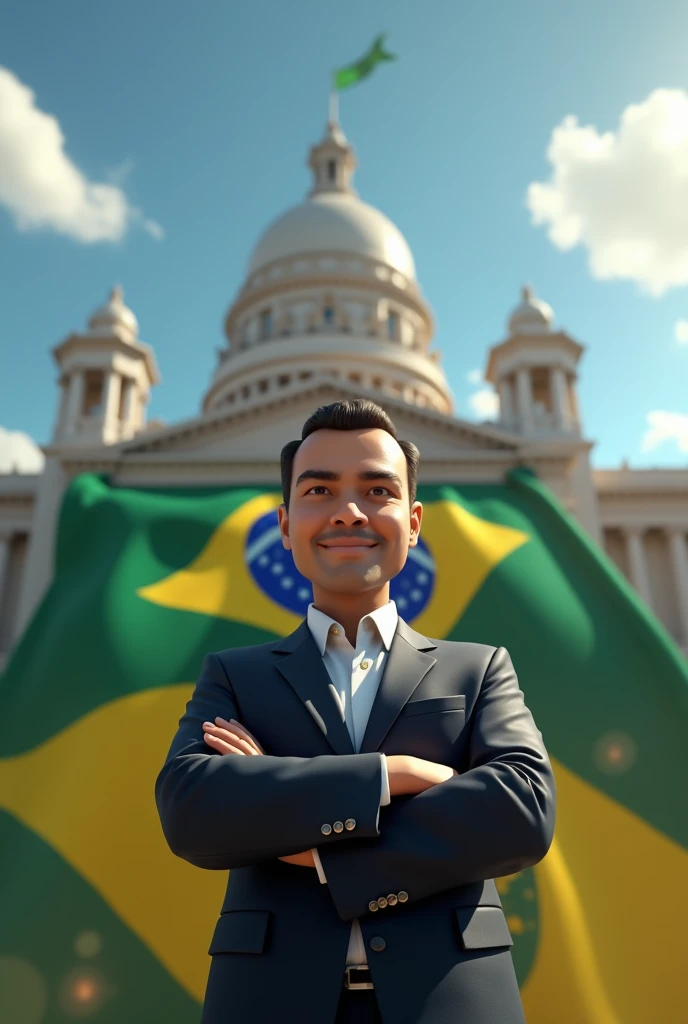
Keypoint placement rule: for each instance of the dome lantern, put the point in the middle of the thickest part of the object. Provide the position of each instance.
(333, 162)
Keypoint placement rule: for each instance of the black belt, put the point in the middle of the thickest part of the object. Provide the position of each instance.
(357, 976)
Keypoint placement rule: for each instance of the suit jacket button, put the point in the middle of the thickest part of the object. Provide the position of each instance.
(326, 829)
(392, 899)
(381, 902)
(402, 896)
(338, 826)
(350, 824)
(373, 905)
(377, 943)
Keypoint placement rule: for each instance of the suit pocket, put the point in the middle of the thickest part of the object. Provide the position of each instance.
(240, 931)
(450, 702)
(482, 927)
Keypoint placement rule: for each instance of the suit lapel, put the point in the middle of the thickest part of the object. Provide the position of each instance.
(303, 668)
(405, 666)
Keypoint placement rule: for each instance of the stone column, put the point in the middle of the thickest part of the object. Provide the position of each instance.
(560, 399)
(129, 396)
(111, 407)
(524, 390)
(506, 402)
(5, 540)
(638, 563)
(75, 401)
(679, 559)
(40, 558)
(61, 409)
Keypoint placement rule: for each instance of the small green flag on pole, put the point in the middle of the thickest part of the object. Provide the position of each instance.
(353, 73)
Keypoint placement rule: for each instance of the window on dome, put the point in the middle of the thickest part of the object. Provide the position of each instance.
(265, 324)
(328, 316)
(283, 380)
(332, 170)
(393, 326)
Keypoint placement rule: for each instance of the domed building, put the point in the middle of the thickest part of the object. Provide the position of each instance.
(331, 308)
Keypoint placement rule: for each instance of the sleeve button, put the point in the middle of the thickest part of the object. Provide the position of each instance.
(326, 829)
(372, 905)
(350, 824)
(381, 902)
(338, 826)
(402, 896)
(392, 899)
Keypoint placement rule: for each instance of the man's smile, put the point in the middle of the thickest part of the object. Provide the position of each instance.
(350, 544)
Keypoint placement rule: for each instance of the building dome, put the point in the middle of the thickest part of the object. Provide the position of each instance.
(114, 314)
(330, 294)
(532, 315)
(335, 222)
(333, 219)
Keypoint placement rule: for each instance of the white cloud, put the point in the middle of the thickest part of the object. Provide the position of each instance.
(665, 426)
(19, 453)
(154, 229)
(43, 188)
(681, 332)
(622, 194)
(484, 403)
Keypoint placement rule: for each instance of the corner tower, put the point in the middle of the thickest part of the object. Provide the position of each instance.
(534, 372)
(106, 375)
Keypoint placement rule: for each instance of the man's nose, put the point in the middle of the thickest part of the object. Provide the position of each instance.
(349, 513)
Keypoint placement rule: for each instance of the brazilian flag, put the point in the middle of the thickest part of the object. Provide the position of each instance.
(354, 73)
(99, 920)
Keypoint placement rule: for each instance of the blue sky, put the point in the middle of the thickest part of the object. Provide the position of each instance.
(202, 116)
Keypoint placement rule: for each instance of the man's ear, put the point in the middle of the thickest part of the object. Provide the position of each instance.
(416, 519)
(283, 520)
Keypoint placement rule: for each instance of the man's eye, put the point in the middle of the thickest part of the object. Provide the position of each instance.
(316, 487)
(380, 488)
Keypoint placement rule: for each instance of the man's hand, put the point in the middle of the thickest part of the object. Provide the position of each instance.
(232, 738)
(408, 774)
(304, 860)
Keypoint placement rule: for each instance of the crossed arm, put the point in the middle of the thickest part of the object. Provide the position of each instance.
(494, 819)
(405, 774)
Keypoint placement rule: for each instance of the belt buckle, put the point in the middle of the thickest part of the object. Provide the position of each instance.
(356, 984)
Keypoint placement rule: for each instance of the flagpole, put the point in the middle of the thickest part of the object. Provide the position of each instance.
(334, 105)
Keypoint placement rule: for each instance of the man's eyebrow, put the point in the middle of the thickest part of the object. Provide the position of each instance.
(380, 474)
(368, 474)
(316, 474)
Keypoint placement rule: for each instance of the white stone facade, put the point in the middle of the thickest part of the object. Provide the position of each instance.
(330, 309)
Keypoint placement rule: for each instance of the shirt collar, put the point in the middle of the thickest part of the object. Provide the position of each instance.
(385, 620)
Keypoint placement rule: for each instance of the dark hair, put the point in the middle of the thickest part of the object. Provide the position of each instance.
(352, 414)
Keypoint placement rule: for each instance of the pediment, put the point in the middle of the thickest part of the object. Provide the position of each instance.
(257, 431)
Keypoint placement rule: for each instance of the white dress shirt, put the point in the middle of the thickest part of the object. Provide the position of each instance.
(355, 673)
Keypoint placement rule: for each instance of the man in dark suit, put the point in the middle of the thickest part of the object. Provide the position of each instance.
(363, 784)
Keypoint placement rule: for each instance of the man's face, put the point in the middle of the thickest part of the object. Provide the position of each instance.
(349, 524)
